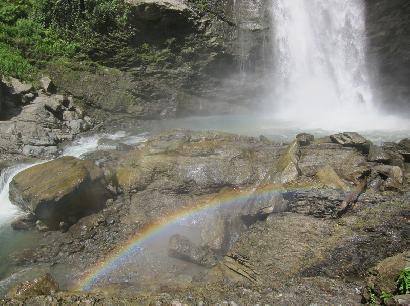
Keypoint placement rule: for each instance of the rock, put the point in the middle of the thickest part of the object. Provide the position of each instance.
(395, 152)
(24, 222)
(44, 285)
(70, 116)
(54, 104)
(402, 300)
(30, 150)
(77, 126)
(328, 177)
(41, 226)
(378, 154)
(182, 248)
(351, 139)
(48, 85)
(382, 277)
(214, 233)
(318, 202)
(347, 162)
(393, 176)
(197, 162)
(64, 189)
(405, 149)
(28, 97)
(287, 168)
(17, 87)
(305, 139)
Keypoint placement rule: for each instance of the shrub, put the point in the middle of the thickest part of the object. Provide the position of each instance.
(403, 281)
(12, 63)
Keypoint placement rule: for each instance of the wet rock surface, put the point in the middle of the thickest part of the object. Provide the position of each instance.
(268, 235)
(34, 123)
(62, 190)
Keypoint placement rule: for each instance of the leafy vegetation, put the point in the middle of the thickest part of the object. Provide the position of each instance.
(35, 32)
(403, 281)
(25, 43)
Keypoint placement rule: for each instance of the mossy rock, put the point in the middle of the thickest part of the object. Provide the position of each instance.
(61, 190)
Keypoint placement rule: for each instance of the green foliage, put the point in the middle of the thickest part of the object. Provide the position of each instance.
(25, 42)
(385, 296)
(373, 297)
(403, 281)
(11, 11)
(148, 54)
(12, 63)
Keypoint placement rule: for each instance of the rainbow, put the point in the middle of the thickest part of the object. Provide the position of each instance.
(115, 258)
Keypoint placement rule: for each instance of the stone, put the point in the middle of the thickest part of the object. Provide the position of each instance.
(287, 168)
(17, 87)
(402, 300)
(47, 84)
(393, 176)
(382, 277)
(305, 139)
(43, 285)
(41, 226)
(28, 97)
(64, 189)
(214, 233)
(395, 152)
(378, 154)
(328, 177)
(198, 162)
(30, 150)
(54, 103)
(404, 145)
(70, 115)
(347, 162)
(77, 126)
(182, 248)
(24, 223)
(351, 139)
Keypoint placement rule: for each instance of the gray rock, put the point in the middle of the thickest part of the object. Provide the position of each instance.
(77, 126)
(70, 116)
(24, 222)
(402, 300)
(305, 139)
(378, 154)
(48, 85)
(61, 190)
(182, 248)
(395, 152)
(28, 97)
(351, 139)
(44, 285)
(405, 149)
(17, 87)
(54, 104)
(393, 176)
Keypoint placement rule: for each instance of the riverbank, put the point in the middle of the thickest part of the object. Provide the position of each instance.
(256, 221)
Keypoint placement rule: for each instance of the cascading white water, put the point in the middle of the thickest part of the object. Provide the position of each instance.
(78, 148)
(320, 75)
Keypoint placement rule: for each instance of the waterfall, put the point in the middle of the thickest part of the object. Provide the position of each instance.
(319, 49)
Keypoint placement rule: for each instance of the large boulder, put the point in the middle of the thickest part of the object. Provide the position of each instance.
(351, 139)
(182, 248)
(43, 285)
(62, 190)
(196, 162)
(405, 149)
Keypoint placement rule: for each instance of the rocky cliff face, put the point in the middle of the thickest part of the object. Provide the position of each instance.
(388, 27)
(180, 57)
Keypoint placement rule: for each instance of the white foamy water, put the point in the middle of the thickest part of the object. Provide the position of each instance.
(78, 148)
(7, 210)
(320, 75)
